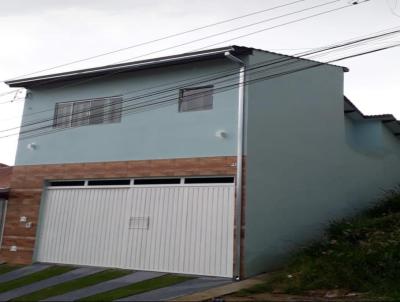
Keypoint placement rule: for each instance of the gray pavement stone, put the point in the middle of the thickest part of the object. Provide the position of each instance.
(106, 286)
(71, 275)
(23, 271)
(178, 290)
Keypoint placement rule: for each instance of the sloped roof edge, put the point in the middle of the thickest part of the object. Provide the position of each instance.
(387, 119)
(143, 64)
(130, 66)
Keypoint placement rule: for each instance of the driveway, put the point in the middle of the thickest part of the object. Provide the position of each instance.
(46, 282)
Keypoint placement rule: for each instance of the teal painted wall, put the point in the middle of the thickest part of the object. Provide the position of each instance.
(365, 136)
(307, 165)
(161, 132)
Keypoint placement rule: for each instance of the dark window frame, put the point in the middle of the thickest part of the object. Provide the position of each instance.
(156, 181)
(109, 112)
(66, 183)
(182, 96)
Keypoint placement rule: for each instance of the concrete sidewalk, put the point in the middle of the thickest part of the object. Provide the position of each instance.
(180, 289)
(222, 290)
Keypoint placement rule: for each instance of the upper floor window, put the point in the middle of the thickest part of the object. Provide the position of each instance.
(196, 98)
(88, 112)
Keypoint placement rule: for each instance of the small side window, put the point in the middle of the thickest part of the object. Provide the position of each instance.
(196, 99)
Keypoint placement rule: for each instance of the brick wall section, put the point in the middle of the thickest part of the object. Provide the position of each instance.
(27, 185)
(5, 176)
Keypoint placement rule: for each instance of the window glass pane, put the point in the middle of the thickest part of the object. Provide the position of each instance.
(194, 99)
(209, 180)
(109, 182)
(62, 115)
(114, 110)
(80, 113)
(67, 183)
(157, 181)
(97, 109)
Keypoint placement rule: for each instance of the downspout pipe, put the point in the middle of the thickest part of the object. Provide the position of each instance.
(239, 163)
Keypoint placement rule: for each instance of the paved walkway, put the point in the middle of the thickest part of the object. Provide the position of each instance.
(71, 275)
(24, 271)
(180, 289)
(223, 290)
(106, 286)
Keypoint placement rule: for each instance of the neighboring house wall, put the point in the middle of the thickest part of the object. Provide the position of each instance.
(306, 165)
(151, 134)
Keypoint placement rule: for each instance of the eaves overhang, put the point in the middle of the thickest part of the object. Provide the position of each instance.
(128, 67)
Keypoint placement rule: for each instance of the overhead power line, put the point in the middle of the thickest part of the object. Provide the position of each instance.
(232, 72)
(152, 103)
(210, 45)
(214, 76)
(189, 42)
(249, 82)
(200, 39)
(393, 8)
(232, 30)
(162, 38)
(210, 36)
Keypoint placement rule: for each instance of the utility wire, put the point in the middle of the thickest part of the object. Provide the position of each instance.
(393, 9)
(232, 30)
(223, 74)
(257, 66)
(162, 38)
(193, 41)
(318, 14)
(147, 104)
(249, 82)
(284, 24)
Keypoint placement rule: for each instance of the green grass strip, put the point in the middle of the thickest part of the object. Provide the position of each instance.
(138, 288)
(72, 285)
(35, 277)
(5, 268)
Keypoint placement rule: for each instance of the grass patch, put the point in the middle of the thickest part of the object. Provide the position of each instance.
(138, 288)
(361, 254)
(72, 285)
(35, 277)
(5, 268)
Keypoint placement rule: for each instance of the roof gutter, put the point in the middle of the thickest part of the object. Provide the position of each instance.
(124, 67)
(239, 164)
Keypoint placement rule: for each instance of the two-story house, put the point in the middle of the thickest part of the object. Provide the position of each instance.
(217, 162)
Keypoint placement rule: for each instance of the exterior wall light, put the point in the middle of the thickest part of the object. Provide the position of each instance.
(221, 134)
(32, 146)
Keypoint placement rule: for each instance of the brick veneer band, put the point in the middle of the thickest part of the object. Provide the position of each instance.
(28, 181)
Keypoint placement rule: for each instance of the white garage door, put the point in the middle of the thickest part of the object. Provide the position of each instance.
(181, 228)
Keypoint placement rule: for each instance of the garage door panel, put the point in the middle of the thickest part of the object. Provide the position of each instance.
(182, 229)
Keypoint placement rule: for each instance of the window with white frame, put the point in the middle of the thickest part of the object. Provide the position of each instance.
(88, 112)
(196, 99)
